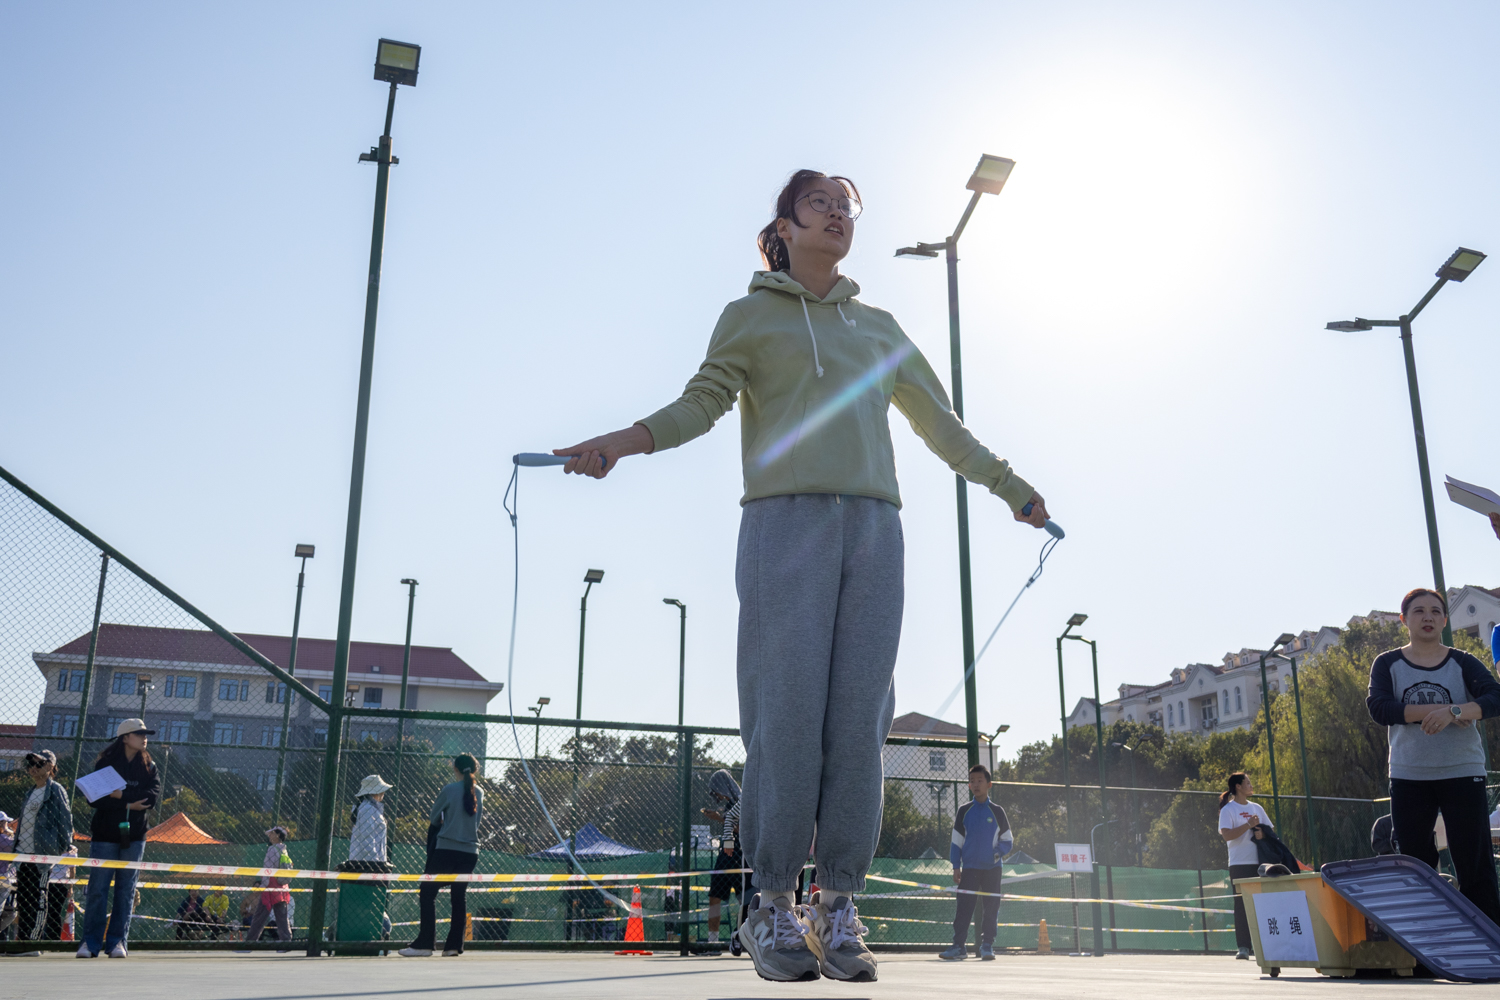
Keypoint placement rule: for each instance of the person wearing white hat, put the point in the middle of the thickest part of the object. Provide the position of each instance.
(118, 832)
(367, 824)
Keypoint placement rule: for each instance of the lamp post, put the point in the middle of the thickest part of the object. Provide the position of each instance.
(989, 177)
(411, 607)
(1312, 824)
(303, 552)
(681, 653)
(1265, 697)
(1062, 701)
(590, 578)
(1005, 728)
(1135, 833)
(536, 743)
(1456, 268)
(395, 63)
(1073, 622)
(143, 684)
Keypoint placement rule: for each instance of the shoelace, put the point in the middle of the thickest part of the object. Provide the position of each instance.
(787, 930)
(845, 927)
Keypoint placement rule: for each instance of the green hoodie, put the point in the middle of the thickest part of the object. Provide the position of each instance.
(814, 378)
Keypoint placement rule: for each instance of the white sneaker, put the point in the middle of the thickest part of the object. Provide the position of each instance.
(28, 954)
(776, 941)
(836, 940)
(119, 951)
(415, 952)
(450, 952)
(83, 951)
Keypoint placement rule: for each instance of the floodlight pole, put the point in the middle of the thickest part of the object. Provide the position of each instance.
(1312, 823)
(411, 607)
(286, 708)
(1103, 805)
(324, 829)
(1265, 697)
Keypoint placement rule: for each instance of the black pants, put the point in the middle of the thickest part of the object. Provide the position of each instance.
(1414, 809)
(442, 861)
(977, 880)
(31, 901)
(58, 894)
(1241, 922)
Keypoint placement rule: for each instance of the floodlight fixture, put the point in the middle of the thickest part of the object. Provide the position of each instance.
(1350, 326)
(409, 580)
(303, 551)
(1004, 729)
(544, 701)
(352, 688)
(922, 251)
(1460, 265)
(594, 576)
(1283, 639)
(674, 602)
(991, 174)
(143, 678)
(396, 62)
(1077, 620)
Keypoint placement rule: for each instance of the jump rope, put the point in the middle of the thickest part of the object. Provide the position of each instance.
(512, 504)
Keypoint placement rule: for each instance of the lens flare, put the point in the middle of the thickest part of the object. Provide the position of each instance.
(834, 406)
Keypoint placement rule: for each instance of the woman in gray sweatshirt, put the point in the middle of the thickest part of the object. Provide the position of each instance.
(1429, 697)
(452, 849)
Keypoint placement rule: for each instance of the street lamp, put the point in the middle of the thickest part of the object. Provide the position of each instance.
(143, 684)
(1073, 622)
(1062, 701)
(988, 178)
(1005, 728)
(536, 743)
(1312, 827)
(304, 552)
(1456, 268)
(1135, 832)
(1265, 697)
(411, 606)
(396, 64)
(681, 653)
(591, 577)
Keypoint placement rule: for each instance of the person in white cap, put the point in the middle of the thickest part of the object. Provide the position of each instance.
(368, 828)
(118, 832)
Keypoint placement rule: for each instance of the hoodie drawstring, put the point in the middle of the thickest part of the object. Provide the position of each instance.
(847, 321)
(807, 316)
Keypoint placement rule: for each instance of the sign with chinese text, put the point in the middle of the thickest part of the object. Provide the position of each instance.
(1286, 932)
(1074, 858)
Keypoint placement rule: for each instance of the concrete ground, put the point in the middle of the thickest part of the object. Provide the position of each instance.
(592, 976)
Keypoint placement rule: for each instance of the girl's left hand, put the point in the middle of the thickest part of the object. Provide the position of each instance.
(136, 807)
(1038, 516)
(1437, 720)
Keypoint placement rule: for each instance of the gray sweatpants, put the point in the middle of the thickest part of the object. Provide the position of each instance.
(820, 581)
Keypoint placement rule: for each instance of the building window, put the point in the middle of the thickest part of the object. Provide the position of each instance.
(123, 684)
(937, 760)
(70, 680)
(374, 668)
(174, 732)
(275, 693)
(369, 734)
(265, 780)
(229, 690)
(320, 737)
(373, 696)
(1239, 702)
(228, 734)
(325, 691)
(270, 736)
(64, 725)
(181, 687)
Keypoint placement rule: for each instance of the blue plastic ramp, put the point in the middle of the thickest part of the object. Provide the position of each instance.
(1422, 913)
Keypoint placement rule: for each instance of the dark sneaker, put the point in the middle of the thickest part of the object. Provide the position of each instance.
(836, 939)
(955, 954)
(776, 941)
(986, 953)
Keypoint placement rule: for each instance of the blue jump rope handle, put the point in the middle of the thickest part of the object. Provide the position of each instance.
(536, 458)
(1053, 528)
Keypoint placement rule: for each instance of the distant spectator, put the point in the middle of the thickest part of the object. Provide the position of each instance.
(1381, 840)
(452, 849)
(7, 898)
(1238, 820)
(45, 827)
(192, 917)
(726, 794)
(274, 895)
(60, 895)
(216, 905)
(368, 830)
(981, 837)
(1428, 696)
(118, 832)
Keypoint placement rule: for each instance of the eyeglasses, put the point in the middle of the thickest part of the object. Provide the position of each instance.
(821, 203)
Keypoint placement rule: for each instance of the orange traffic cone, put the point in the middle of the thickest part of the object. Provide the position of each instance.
(635, 928)
(67, 927)
(1043, 942)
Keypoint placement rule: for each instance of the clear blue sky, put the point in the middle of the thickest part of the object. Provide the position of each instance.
(1199, 188)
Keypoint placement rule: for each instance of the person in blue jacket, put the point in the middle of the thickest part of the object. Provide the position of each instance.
(981, 837)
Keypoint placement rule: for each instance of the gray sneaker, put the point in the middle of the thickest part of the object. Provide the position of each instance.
(836, 939)
(776, 941)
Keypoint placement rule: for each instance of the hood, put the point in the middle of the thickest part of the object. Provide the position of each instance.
(843, 291)
(723, 782)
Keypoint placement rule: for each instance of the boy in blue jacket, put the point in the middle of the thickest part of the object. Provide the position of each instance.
(981, 837)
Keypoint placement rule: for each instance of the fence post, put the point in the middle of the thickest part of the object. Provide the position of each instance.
(685, 753)
(327, 792)
(1203, 905)
(88, 673)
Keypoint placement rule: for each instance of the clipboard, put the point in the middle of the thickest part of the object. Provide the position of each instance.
(100, 783)
(1476, 498)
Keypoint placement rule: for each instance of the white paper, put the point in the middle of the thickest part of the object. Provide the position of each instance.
(1074, 858)
(100, 783)
(1473, 497)
(1286, 931)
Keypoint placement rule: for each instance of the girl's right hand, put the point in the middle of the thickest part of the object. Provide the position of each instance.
(585, 458)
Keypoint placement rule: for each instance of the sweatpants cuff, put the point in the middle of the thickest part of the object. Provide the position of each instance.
(846, 883)
(770, 885)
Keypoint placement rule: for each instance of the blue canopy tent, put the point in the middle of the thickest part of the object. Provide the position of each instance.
(591, 846)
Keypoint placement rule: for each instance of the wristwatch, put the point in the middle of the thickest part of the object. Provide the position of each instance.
(1456, 710)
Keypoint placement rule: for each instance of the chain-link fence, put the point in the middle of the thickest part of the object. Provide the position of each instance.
(89, 639)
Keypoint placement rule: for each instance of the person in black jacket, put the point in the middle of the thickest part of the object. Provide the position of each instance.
(1428, 696)
(118, 830)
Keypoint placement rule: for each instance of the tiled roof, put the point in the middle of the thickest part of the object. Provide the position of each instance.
(201, 646)
(914, 723)
(14, 737)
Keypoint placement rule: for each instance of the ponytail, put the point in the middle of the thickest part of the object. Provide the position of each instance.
(773, 249)
(1234, 781)
(466, 765)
